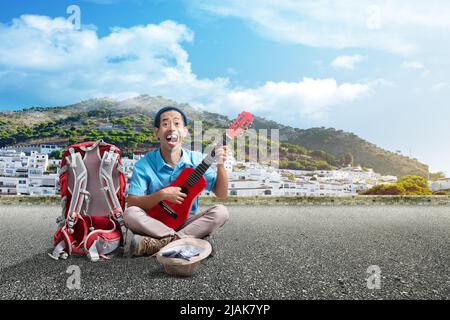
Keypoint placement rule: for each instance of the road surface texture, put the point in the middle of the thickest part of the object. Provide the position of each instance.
(309, 252)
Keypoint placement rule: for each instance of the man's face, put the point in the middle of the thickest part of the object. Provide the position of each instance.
(172, 130)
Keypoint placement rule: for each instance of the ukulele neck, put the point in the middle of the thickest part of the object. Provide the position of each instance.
(200, 170)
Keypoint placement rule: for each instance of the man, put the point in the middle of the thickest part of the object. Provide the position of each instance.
(153, 173)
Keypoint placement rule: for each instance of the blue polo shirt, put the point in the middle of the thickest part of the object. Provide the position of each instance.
(152, 173)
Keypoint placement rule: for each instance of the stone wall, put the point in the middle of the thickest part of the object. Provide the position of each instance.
(263, 201)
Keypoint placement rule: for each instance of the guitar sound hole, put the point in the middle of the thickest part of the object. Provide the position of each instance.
(184, 190)
(167, 209)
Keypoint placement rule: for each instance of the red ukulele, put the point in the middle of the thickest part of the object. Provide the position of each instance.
(192, 182)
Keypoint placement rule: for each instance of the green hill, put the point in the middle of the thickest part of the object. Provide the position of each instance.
(128, 124)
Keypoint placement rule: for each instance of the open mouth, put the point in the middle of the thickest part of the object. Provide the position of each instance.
(172, 137)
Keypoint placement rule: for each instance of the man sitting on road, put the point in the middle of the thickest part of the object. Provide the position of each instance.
(157, 170)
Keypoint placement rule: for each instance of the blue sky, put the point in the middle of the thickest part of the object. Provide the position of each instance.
(375, 68)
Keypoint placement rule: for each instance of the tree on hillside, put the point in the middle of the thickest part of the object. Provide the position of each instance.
(414, 185)
(407, 185)
(385, 189)
(348, 159)
(437, 175)
(57, 154)
(318, 154)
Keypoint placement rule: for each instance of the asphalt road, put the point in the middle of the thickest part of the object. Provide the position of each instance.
(262, 253)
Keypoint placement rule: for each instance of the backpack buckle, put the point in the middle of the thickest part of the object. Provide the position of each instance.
(110, 155)
(60, 220)
(73, 162)
(117, 215)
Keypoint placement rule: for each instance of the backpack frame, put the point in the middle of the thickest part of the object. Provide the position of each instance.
(92, 183)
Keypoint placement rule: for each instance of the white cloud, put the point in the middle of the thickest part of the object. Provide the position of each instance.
(418, 66)
(440, 86)
(310, 98)
(48, 59)
(401, 27)
(380, 82)
(412, 65)
(347, 62)
(51, 54)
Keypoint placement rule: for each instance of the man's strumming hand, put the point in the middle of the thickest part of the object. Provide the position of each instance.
(173, 194)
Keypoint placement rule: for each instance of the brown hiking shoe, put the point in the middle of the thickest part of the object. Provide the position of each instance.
(150, 246)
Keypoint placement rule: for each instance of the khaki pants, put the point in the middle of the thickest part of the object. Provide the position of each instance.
(196, 226)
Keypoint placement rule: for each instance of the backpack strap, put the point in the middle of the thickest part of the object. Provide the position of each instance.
(79, 192)
(93, 253)
(60, 220)
(94, 145)
(109, 161)
(58, 252)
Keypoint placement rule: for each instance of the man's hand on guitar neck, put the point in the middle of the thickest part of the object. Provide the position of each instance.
(173, 194)
(220, 189)
(221, 155)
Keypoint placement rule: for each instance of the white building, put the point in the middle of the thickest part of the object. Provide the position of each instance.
(12, 159)
(253, 179)
(128, 165)
(229, 163)
(440, 184)
(37, 160)
(388, 179)
(43, 185)
(48, 148)
(8, 185)
(54, 162)
(22, 174)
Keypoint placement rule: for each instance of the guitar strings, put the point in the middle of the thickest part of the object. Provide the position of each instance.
(198, 172)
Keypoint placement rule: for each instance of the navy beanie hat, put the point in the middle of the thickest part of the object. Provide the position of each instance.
(169, 108)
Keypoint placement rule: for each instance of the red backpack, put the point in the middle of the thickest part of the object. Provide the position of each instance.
(93, 186)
